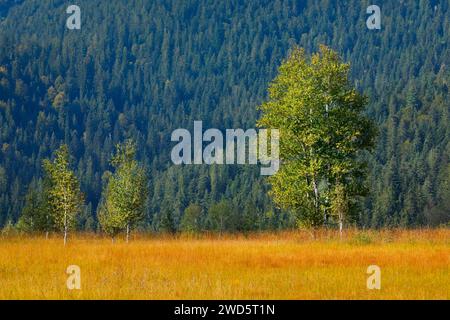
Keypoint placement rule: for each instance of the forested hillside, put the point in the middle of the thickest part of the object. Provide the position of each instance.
(141, 69)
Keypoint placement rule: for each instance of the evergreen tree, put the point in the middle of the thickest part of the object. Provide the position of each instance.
(35, 215)
(167, 223)
(191, 221)
(219, 216)
(93, 93)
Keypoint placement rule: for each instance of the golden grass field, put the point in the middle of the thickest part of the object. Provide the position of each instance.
(289, 265)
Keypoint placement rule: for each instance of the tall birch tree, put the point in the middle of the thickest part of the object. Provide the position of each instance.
(63, 193)
(322, 133)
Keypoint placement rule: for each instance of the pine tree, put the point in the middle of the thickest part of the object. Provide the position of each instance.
(35, 215)
(167, 223)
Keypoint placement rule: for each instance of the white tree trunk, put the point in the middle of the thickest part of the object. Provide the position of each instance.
(128, 232)
(65, 219)
(316, 195)
(65, 226)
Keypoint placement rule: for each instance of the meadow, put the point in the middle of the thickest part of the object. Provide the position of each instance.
(415, 264)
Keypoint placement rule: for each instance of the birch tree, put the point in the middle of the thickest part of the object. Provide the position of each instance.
(322, 133)
(64, 196)
(126, 192)
(339, 206)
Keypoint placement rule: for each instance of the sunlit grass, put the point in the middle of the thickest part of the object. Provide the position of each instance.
(290, 265)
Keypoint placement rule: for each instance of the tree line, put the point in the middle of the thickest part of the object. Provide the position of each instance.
(141, 69)
(321, 181)
(55, 204)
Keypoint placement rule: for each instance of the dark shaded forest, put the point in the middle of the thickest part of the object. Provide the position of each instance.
(141, 69)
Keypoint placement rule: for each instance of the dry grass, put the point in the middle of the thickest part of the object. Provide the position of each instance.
(414, 265)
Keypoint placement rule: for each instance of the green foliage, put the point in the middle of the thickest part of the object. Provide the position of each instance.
(111, 221)
(9, 229)
(140, 69)
(63, 193)
(36, 215)
(126, 192)
(249, 219)
(322, 130)
(191, 221)
(220, 217)
(339, 205)
(167, 223)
